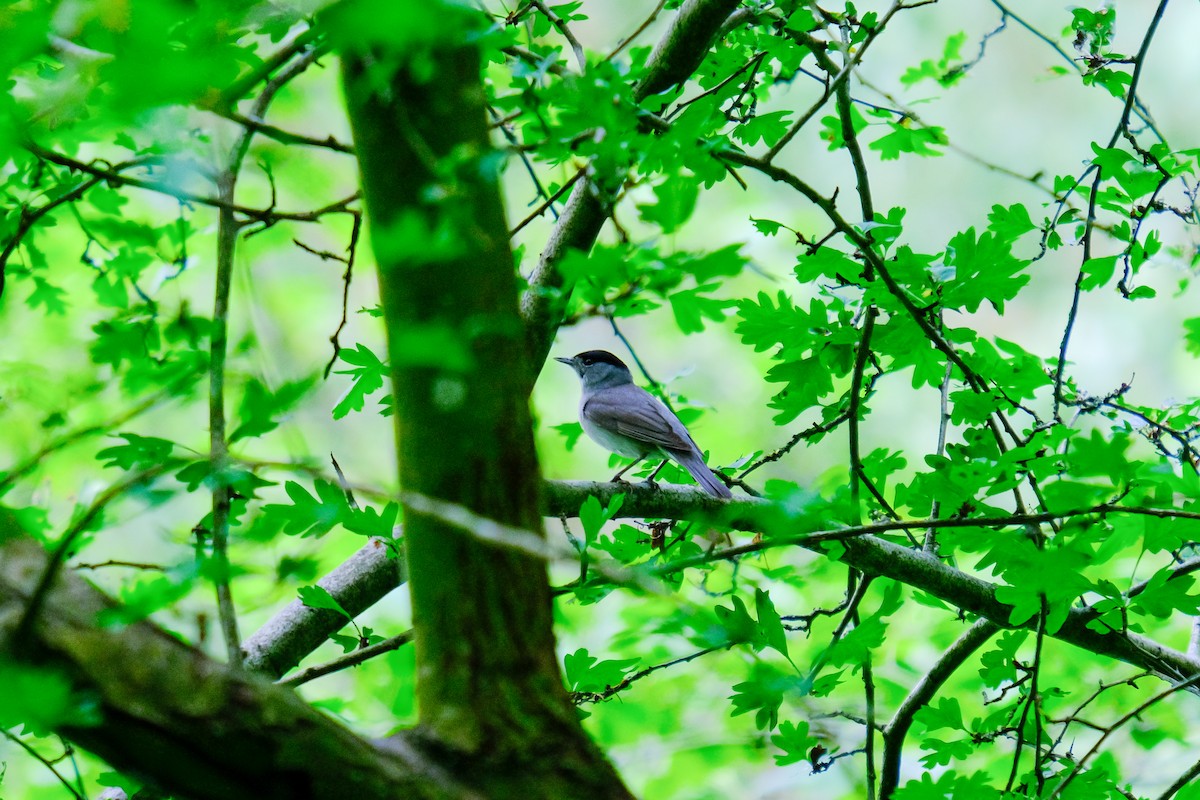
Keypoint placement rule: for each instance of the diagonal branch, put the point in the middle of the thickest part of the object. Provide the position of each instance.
(919, 697)
(297, 630)
(191, 725)
(674, 59)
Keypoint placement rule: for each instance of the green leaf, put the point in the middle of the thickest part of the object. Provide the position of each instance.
(1191, 335)
(903, 139)
(347, 642)
(766, 227)
(945, 712)
(43, 699)
(138, 451)
(369, 522)
(1164, 596)
(47, 296)
(1009, 224)
(319, 597)
(676, 200)
(939, 70)
(260, 407)
(592, 517)
(984, 271)
(585, 673)
(770, 626)
(831, 127)
(763, 694)
(691, 308)
(795, 742)
(309, 515)
(739, 626)
(368, 373)
(1097, 272)
(626, 544)
(571, 431)
(768, 128)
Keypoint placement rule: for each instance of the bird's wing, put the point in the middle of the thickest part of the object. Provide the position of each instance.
(634, 412)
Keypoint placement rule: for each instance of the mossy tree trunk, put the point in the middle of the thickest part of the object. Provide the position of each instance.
(489, 688)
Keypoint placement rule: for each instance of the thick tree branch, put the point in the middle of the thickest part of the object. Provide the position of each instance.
(357, 584)
(190, 725)
(862, 549)
(364, 579)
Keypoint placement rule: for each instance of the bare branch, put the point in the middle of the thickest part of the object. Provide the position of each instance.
(297, 630)
(921, 695)
(351, 659)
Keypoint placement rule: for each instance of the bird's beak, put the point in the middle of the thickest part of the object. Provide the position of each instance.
(570, 362)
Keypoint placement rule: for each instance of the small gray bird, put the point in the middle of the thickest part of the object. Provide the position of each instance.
(623, 417)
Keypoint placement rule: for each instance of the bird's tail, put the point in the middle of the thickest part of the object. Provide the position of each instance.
(693, 462)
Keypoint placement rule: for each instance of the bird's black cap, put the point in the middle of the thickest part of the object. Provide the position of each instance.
(589, 357)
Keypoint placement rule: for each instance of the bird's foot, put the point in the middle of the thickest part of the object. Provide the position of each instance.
(651, 484)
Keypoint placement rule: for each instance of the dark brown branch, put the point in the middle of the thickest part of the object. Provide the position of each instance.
(921, 695)
(611, 691)
(118, 178)
(351, 659)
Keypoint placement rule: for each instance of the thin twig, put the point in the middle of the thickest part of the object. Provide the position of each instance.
(931, 545)
(351, 659)
(117, 178)
(1183, 780)
(1134, 714)
(115, 563)
(47, 763)
(646, 23)
(579, 698)
(228, 228)
(548, 203)
(565, 30)
(71, 437)
(347, 277)
(287, 137)
(1090, 222)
